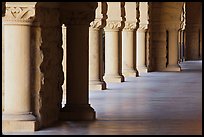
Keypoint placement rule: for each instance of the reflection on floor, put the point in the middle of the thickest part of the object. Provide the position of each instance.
(153, 104)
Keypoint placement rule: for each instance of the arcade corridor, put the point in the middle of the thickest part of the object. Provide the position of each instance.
(154, 103)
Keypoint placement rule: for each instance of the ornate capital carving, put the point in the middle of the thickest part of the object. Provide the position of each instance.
(19, 14)
(142, 27)
(78, 17)
(130, 26)
(114, 25)
(97, 24)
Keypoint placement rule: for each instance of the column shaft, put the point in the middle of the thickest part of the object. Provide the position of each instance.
(140, 59)
(112, 66)
(95, 60)
(173, 51)
(128, 43)
(17, 115)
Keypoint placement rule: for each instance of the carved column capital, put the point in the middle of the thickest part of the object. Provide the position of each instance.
(113, 25)
(142, 27)
(130, 26)
(19, 14)
(97, 24)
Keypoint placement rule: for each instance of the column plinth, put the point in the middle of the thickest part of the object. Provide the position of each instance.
(175, 67)
(77, 112)
(97, 85)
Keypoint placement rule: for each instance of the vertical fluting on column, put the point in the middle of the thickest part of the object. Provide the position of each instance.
(114, 24)
(96, 81)
(141, 38)
(77, 18)
(129, 40)
(17, 115)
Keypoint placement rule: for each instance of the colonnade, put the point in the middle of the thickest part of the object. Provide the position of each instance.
(39, 55)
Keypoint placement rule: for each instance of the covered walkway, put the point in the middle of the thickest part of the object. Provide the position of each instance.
(154, 103)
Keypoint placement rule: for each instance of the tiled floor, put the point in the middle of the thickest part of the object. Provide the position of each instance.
(153, 104)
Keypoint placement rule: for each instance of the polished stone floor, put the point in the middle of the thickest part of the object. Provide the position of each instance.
(156, 103)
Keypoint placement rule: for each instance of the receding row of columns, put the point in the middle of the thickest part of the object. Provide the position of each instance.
(124, 43)
(125, 55)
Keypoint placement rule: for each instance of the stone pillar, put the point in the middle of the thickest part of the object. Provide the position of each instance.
(141, 63)
(193, 29)
(77, 22)
(96, 81)
(173, 50)
(192, 41)
(17, 115)
(141, 52)
(129, 40)
(113, 68)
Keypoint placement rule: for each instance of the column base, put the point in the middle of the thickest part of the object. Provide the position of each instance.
(19, 123)
(173, 68)
(97, 85)
(130, 73)
(142, 69)
(77, 113)
(113, 78)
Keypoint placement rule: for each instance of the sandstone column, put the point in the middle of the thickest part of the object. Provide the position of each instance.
(173, 50)
(141, 64)
(77, 17)
(17, 115)
(112, 30)
(141, 55)
(129, 40)
(96, 81)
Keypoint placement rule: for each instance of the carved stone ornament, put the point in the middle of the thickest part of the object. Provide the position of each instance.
(142, 27)
(130, 26)
(113, 25)
(96, 24)
(19, 14)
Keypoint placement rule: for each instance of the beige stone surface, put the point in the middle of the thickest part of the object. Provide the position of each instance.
(45, 67)
(114, 24)
(129, 39)
(96, 62)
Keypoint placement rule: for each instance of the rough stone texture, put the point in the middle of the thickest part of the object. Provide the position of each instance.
(47, 74)
(161, 16)
(193, 28)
